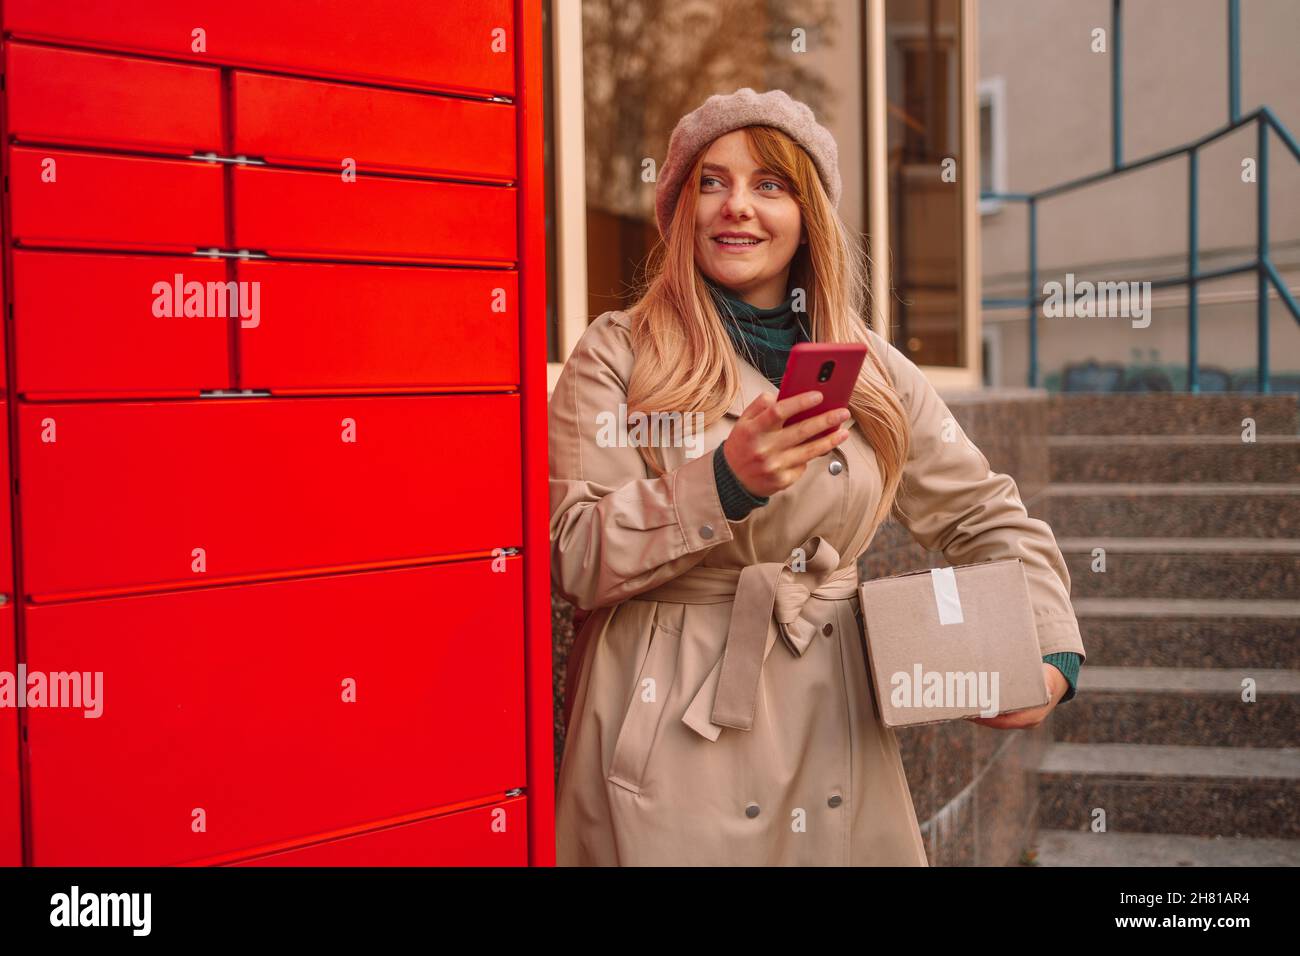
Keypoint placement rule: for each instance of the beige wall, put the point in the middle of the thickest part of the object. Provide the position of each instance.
(1057, 125)
(840, 64)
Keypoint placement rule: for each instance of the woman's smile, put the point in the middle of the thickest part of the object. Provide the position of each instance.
(735, 242)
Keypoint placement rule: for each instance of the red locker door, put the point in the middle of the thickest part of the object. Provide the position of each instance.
(331, 328)
(483, 836)
(233, 718)
(11, 825)
(90, 325)
(462, 47)
(90, 200)
(307, 122)
(140, 495)
(320, 215)
(6, 516)
(68, 96)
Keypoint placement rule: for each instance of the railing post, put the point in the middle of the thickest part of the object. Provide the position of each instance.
(1034, 300)
(1116, 85)
(1234, 60)
(1193, 266)
(1261, 251)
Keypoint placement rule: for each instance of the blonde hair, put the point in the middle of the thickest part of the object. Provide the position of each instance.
(684, 359)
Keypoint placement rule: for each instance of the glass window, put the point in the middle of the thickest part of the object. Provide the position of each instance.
(646, 63)
(923, 54)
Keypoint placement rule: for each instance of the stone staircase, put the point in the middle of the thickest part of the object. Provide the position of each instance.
(1201, 591)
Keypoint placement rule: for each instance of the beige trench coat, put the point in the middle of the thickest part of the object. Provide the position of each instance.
(777, 756)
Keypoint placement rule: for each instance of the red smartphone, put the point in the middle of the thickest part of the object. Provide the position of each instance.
(827, 367)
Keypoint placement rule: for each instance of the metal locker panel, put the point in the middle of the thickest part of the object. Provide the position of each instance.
(482, 836)
(69, 96)
(146, 495)
(274, 712)
(11, 823)
(103, 201)
(4, 386)
(320, 215)
(120, 347)
(6, 513)
(307, 122)
(462, 47)
(11, 830)
(332, 327)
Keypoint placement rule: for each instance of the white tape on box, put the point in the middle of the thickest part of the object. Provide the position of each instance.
(946, 598)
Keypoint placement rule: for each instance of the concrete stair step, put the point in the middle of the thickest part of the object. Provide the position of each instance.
(1184, 607)
(1187, 680)
(1172, 510)
(1182, 706)
(1156, 788)
(1189, 632)
(1169, 413)
(1085, 848)
(1216, 568)
(1174, 458)
(1283, 546)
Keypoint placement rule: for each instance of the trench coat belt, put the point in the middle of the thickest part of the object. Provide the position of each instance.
(767, 601)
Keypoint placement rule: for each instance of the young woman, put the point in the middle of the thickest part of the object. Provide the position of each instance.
(718, 707)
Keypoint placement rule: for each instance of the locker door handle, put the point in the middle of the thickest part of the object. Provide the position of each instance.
(234, 160)
(230, 254)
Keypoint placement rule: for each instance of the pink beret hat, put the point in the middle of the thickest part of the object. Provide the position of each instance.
(721, 114)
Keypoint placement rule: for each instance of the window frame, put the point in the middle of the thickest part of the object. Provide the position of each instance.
(993, 92)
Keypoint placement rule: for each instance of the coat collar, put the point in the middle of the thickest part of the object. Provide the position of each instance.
(752, 384)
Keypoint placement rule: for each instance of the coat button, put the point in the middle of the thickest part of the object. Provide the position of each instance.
(836, 467)
(827, 629)
(706, 531)
(751, 811)
(835, 801)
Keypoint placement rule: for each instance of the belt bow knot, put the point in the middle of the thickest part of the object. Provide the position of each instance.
(768, 602)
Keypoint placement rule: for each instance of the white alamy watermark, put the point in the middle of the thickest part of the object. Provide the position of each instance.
(208, 300)
(922, 688)
(651, 430)
(1092, 300)
(76, 908)
(77, 689)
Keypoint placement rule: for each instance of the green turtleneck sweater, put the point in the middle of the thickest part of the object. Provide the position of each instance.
(765, 337)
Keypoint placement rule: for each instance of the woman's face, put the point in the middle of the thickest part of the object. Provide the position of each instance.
(741, 200)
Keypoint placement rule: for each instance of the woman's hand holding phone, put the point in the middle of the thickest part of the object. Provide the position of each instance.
(766, 456)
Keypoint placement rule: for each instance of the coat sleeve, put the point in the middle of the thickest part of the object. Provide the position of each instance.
(616, 533)
(951, 501)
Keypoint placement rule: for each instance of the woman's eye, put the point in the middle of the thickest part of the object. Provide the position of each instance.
(706, 180)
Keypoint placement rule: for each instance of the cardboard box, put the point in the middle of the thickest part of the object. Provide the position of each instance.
(947, 643)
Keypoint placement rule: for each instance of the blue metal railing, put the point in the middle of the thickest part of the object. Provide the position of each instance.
(1263, 266)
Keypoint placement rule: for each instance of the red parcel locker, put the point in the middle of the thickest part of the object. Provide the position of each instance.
(90, 324)
(466, 46)
(93, 99)
(274, 711)
(11, 832)
(186, 547)
(283, 119)
(329, 327)
(6, 514)
(482, 836)
(229, 489)
(321, 215)
(96, 200)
